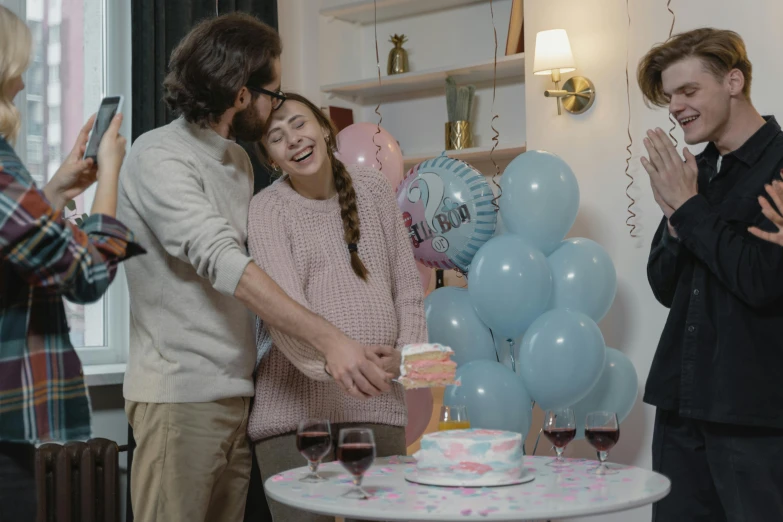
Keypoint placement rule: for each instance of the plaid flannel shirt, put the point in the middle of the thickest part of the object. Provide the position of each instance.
(44, 258)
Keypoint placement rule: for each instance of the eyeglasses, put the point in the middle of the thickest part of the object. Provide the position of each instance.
(277, 96)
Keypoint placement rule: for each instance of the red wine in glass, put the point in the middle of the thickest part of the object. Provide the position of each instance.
(313, 445)
(356, 457)
(313, 440)
(356, 452)
(560, 429)
(560, 437)
(602, 439)
(602, 431)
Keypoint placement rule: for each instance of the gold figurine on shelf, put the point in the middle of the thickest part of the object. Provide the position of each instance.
(398, 57)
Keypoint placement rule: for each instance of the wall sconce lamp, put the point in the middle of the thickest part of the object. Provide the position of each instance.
(553, 56)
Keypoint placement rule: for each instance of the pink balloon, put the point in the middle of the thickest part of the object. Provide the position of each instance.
(425, 275)
(419, 403)
(355, 146)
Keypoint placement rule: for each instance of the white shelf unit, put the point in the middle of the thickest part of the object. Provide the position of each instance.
(364, 11)
(445, 38)
(502, 154)
(508, 67)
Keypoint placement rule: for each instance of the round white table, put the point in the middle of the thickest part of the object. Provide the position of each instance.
(572, 491)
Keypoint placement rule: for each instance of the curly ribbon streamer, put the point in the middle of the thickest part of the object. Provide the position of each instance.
(538, 437)
(632, 214)
(496, 137)
(671, 118)
(377, 107)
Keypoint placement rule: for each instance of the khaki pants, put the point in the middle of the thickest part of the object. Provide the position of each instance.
(192, 461)
(279, 454)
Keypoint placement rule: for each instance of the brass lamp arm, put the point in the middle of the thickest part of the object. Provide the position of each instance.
(577, 94)
(554, 93)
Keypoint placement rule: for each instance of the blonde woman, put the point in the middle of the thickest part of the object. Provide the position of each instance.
(44, 258)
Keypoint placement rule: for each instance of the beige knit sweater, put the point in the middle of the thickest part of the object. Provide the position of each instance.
(299, 243)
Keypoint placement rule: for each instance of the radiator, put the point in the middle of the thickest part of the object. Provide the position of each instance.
(78, 481)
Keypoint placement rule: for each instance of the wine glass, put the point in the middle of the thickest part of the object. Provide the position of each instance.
(356, 452)
(453, 418)
(560, 429)
(602, 431)
(314, 440)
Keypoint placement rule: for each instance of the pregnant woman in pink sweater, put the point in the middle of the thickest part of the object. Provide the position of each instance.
(333, 238)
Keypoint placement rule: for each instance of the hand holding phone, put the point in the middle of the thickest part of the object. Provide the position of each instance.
(110, 106)
(111, 153)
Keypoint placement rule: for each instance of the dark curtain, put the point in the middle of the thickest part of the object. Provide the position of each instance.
(157, 26)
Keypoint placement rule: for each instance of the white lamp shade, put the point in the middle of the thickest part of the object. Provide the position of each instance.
(553, 52)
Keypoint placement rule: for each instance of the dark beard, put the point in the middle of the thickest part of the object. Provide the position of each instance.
(247, 125)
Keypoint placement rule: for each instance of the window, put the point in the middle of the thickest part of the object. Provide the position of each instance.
(54, 33)
(65, 82)
(34, 150)
(35, 80)
(36, 28)
(35, 118)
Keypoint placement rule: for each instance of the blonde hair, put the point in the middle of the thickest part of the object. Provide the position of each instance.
(719, 50)
(16, 44)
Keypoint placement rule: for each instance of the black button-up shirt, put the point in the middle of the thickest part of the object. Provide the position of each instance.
(720, 356)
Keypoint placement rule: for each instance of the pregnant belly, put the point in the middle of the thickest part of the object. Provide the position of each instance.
(366, 316)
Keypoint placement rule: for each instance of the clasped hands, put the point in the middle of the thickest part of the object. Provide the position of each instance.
(673, 180)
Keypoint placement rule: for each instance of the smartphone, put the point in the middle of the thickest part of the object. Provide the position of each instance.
(110, 106)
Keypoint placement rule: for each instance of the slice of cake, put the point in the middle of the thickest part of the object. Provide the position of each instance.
(472, 457)
(426, 365)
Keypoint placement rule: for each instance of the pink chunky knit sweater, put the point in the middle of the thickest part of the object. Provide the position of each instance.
(299, 243)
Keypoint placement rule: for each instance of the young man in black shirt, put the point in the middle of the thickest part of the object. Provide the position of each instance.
(719, 423)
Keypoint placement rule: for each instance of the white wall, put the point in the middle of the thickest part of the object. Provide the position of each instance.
(594, 146)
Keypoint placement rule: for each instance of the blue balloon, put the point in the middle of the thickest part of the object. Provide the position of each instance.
(584, 278)
(452, 321)
(540, 198)
(510, 284)
(561, 358)
(615, 391)
(495, 397)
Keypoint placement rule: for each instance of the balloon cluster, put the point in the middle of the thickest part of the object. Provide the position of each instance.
(531, 293)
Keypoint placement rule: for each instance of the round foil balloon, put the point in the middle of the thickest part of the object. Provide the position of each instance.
(447, 207)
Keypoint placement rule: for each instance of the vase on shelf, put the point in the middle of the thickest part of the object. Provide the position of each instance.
(459, 102)
(398, 57)
(458, 135)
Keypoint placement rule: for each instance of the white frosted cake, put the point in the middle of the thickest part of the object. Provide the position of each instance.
(473, 457)
(425, 365)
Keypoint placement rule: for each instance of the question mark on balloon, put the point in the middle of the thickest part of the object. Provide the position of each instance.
(430, 190)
